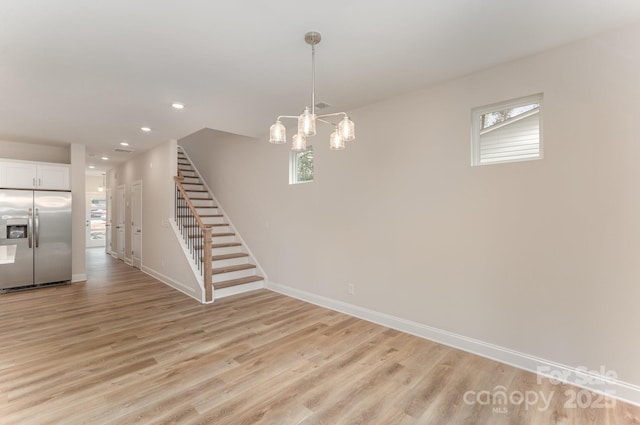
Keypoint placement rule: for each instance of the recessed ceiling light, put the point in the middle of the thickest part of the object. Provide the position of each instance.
(124, 144)
(105, 158)
(145, 129)
(177, 105)
(92, 166)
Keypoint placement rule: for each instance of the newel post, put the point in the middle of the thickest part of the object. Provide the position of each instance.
(208, 281)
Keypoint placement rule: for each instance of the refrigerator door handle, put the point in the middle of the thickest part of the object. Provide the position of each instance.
(37, 226)
(30, 228)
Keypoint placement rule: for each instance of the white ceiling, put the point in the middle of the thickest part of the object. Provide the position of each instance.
(95, 71)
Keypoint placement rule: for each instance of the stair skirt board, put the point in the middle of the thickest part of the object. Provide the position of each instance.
(233, 271)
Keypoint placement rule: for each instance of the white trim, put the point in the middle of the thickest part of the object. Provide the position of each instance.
(79, 277)
(615, 388)
(128, 261)
(228, 219)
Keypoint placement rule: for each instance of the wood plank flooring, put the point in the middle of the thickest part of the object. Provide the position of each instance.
(124, 348)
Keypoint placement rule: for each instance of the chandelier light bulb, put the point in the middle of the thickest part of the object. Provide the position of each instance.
(278, 133)
(347, 129)
(336, 142)
(299, 142)
(307, 123)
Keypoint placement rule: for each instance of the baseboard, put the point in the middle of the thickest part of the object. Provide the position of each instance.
(80, 277)
(187, 290)
(577, 376)
(128, 261)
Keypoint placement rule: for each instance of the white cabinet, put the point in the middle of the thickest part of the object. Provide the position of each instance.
(33, 175)
(53, 177)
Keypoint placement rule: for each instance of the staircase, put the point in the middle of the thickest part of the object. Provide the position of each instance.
(233, 269)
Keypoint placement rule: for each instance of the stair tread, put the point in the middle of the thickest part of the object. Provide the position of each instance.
(229, 256)
(207, 225)
(225, 245)
(198, 206)
(201, 215)
(234, 282)
(196, 198)
(214, 235)
(233, 268)
(219, 245)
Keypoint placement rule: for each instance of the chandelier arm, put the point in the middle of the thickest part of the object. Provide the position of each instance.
(326, 122)
(335, 114)
(287, 116)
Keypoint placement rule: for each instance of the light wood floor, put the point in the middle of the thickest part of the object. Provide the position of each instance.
(124, 349)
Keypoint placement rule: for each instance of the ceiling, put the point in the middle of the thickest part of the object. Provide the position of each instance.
(94, 72)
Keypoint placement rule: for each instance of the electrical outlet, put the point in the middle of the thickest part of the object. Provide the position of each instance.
(351, 289)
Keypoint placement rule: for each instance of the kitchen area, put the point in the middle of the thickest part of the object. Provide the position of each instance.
(35, 224)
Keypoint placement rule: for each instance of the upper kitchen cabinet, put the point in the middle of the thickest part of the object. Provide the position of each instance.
(34, 175)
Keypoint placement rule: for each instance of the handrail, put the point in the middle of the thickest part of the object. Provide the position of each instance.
(206, 242)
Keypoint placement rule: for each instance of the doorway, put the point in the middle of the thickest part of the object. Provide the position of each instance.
(96, 219)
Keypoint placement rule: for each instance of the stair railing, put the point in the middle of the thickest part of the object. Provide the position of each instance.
(196, 235)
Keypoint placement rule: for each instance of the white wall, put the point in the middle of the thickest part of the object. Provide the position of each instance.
(93, 183)
(78, 213)
(162, 256)
(539, 257)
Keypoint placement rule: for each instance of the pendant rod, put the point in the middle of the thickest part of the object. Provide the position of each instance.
(313, 79)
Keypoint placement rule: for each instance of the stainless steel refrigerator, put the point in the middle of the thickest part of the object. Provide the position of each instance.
(35, 237)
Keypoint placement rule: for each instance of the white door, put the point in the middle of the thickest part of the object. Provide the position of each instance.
(136, 224)
(108, 236)
(96, 220)
(120, 224)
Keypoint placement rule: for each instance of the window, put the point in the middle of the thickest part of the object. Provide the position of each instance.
(301, 166)
(507, 131)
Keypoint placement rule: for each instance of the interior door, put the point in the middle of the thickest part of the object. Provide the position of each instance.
(96, 220)
(136, 224)
(108, 229)
(120, 225)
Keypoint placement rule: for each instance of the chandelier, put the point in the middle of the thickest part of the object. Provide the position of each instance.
(343, 130)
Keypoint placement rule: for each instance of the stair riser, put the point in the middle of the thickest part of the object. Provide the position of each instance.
(227, 250)
(188, 173)
(230, 262)
(233, 275)
(212, 220)
(207, 211)
(189, 187)
(191, 180)
(202, 202)
(224, 239)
